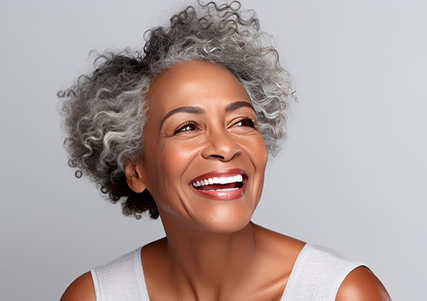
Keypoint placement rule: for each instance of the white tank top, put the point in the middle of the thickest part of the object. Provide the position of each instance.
(317, 275)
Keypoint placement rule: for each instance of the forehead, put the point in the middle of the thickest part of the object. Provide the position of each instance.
(195, 83)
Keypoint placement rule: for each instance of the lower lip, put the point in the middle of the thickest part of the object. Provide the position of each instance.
(223, 195)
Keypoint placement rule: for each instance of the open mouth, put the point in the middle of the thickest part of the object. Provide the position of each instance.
(229, 183)
(226, 185)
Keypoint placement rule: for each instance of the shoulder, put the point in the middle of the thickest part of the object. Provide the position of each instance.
(277, 249)
(277, 241)
(81, 289)
(362, 284)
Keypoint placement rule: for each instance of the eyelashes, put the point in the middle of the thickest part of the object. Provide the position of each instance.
(193, 126)
(186, 127)
(247, 121)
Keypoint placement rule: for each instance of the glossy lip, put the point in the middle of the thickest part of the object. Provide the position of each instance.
(222, 195)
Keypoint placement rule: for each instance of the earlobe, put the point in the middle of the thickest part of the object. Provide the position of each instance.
(135, 176)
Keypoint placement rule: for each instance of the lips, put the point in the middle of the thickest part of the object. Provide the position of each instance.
(221, 185)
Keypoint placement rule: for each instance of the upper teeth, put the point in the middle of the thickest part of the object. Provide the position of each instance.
(220, 180)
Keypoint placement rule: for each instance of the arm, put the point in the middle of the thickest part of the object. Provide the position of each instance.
(80, 290)
(362, 285)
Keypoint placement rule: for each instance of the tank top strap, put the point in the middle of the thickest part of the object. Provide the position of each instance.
(317, 274)
(121, 279)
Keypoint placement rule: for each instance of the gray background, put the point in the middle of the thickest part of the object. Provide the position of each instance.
(352, 175)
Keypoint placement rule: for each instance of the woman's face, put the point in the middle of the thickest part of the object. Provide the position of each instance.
(204, 158)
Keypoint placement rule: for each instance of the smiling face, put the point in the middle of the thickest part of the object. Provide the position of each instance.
(204, 158)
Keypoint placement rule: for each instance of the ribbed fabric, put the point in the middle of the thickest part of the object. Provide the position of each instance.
(316, 276)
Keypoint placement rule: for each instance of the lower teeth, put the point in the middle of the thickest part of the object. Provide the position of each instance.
(225, 189)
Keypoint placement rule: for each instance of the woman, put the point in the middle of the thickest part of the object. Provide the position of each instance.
(182, 131)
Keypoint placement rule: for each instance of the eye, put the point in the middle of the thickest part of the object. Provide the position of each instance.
(186, 127)
(245, 122)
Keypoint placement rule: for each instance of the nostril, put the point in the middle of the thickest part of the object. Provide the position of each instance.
(221, 148)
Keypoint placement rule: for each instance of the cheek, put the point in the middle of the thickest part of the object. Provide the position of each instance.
(262, 151)
(175, 159)
(257, 151)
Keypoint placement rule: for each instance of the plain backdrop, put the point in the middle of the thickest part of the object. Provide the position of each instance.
(352, 174)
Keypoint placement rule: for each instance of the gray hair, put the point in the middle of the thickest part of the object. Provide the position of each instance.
(105, 112)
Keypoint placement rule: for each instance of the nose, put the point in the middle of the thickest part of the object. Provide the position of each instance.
(220, 145)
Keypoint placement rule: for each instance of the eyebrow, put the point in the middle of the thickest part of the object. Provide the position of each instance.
(237, 105)
(188, 109)
(198, 110)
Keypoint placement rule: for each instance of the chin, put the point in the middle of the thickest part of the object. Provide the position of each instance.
(225, 222)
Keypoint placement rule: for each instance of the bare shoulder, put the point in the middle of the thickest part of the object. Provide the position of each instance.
(80, 289)
(278, 250)
(362, 284)
(279, 242)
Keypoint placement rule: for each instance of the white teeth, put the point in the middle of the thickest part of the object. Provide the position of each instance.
(221, 180)
(225, 189)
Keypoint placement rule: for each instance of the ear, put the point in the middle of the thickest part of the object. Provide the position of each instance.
(135, 176)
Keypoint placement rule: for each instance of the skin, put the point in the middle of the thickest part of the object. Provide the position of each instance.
(212, 251)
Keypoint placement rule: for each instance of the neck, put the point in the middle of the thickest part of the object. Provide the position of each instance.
(208, 261)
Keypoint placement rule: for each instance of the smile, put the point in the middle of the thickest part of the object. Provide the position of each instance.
(224, 185)
(210, 182)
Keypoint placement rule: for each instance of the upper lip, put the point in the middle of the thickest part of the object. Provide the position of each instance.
(220, 173)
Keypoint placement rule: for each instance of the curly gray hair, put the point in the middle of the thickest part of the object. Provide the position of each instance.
(105, 112)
